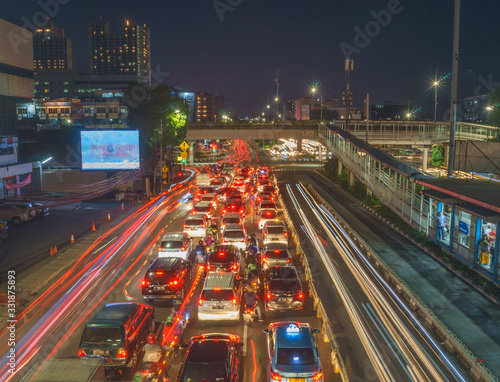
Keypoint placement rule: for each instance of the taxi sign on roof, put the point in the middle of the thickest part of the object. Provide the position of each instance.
(292, 329)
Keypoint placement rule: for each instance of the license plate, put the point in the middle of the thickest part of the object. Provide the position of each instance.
(217, 307)
(282, 299)
(297, 380)
(159, 288)
(100, 352)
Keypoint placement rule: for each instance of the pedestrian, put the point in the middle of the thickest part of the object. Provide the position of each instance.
(484, 245)
(441, 225)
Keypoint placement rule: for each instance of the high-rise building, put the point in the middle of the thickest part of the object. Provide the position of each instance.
(209, 107)
(51, 49)
(126, 54)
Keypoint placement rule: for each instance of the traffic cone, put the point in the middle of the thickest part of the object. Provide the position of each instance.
(109, 217)
(55, 249)
(123, 206)
(51, 251)
(93, 226)
(72, 239)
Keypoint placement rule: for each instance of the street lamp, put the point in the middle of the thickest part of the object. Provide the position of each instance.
(313, 90)
(436, 83)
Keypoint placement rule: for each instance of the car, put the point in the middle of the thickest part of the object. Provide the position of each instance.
(203, 208)
(224, 258)
(261, 183)
(196, 225)
(292, 352)
(118, 332)
(239, 184)
(231, 218)
(234, 205)
(275, 254)
(216, 184)
(220, 298)
(203, 190)
(13, 213)
(266, 205)
(265, 196)
(223, 193)
(236, 235)
(211, 198)
(40, 209)
(266, 215)
(282, 289)
(274, 231)
(176, 244)
(270, 189)
(212, 357)
(167, 278)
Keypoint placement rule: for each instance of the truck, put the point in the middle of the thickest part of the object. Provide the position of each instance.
(75, 369)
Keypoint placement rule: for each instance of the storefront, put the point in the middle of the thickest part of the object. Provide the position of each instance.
(440, 217)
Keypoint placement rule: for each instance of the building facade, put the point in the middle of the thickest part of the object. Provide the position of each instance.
(392, 110)
(209, 107)
(309, 108)
(16, 85)
(51, 49)
(128, 54)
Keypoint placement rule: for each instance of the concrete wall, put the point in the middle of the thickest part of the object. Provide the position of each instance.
(74, 181)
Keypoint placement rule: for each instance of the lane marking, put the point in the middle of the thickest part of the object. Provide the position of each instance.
(105, 245)
(245, 337)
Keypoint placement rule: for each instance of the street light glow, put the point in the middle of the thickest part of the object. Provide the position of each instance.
(436, 83)
(46, 160)
(489, 108)
(276, 99)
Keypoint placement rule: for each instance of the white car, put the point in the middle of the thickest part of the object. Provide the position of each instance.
(196, 225)
(220, 298)
(231, 218)
(211, 198)
(235, 234)
(265, 216)
(274, 231)
(176, 244)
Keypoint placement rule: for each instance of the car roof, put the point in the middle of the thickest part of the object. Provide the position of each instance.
(232, 215)
(164, 263)
(224, 248)
(281, 246)
(209, 194)
(291, 334)
(173, 236)
(115, 312)
(274, 223)
(196, 216)
(203, 204)
(219, 280)
(234, 227)
(278, 272)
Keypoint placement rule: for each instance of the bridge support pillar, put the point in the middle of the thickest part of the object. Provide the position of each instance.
(192, 146)
(425, 159)
(351, 179)
(446, 154)
(339, 168)
(299, 145)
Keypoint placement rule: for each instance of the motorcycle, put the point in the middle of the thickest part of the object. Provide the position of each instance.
(249, 315)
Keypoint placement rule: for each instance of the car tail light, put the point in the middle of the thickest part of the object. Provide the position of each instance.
(268, 296)
(200, 301)
(235, 301)
(268, 214)
(242, 211)
(300, 296)
(81, 353)
(203, 226)
(209, 267)
(288, 261)
(265, 234)
(217, 289)
(145, 283)
(122, 353)
(183, 248)
(275, 376)
(194, 212)
(224, 211)
(159, 273)
(286, 233)
(160, 249)
(175, 282)
(185, 225)
(318, 376)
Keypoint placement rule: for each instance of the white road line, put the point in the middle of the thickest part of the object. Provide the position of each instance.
(105, 245)
(245, 337)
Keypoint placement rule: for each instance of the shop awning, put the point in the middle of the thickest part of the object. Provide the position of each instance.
(441, 196)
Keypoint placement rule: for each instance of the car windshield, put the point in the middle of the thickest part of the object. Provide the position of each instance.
(217, 295)
(221, 257)
(233, 234)
(269, 205)
(194, 222)
(234, 220)
(295, 356)
(206, 198)
(205, 372)
(177, 244)
(101, 335)
(275, 230)
(288, 285)
(276, 254)
(203, 209)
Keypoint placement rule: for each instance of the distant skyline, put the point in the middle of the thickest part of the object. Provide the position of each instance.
(234, 50)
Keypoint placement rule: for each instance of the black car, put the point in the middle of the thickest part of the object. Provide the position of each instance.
(167, 278)
(224, 258)
(282, 289)
(212, 357)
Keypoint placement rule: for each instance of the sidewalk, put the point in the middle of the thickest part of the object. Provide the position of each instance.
(31, 282)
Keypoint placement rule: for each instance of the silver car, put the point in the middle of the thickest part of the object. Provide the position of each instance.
(275, 254)
(196, 225)
(274, 232)
(220, 298)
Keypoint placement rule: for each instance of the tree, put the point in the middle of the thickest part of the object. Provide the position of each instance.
(160, 116)
(437, 158)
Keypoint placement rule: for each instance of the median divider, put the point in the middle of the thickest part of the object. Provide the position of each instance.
(326, 327)
(454, 345)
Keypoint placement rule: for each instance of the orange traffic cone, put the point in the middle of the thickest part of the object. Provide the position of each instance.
(72, 239)
(55, 249)
(51, 251)
(109, 217)
(123, 206)
(93, 226)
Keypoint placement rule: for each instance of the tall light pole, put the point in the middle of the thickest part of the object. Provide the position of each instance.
(313, 90)
(473, 95)
(454, 87)
(277, 92)
(436, 83)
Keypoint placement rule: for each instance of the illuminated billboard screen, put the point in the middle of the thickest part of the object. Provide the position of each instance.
(110, 149)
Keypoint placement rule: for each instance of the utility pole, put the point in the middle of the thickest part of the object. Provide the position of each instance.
(349, 67)
(277, 92)
(454, 88)
(367, 115)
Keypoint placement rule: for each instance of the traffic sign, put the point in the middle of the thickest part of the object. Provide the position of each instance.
(184, 146)
(164, 169)
(165, 176)
(184, 154)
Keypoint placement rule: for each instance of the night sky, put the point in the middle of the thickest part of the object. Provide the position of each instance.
(236, 53)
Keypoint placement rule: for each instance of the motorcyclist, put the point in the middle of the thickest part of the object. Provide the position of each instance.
(252, 240)
(200, 252)
(209, 240)
(251, 302)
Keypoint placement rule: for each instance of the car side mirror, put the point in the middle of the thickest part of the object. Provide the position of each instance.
(184, 345)
(316, 331)
(265, 331)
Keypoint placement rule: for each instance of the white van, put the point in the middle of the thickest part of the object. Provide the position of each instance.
(220, 298)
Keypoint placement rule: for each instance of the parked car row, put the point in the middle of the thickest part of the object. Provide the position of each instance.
(18, 211)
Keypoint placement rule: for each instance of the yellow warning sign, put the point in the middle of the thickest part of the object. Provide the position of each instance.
(184, 154)
(184, 146)
(164, 169)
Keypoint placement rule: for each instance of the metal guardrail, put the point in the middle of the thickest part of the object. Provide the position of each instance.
(326, 330)
(454, 345)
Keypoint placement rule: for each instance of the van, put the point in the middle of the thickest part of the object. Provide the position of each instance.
(220, 298)
(118, 332)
